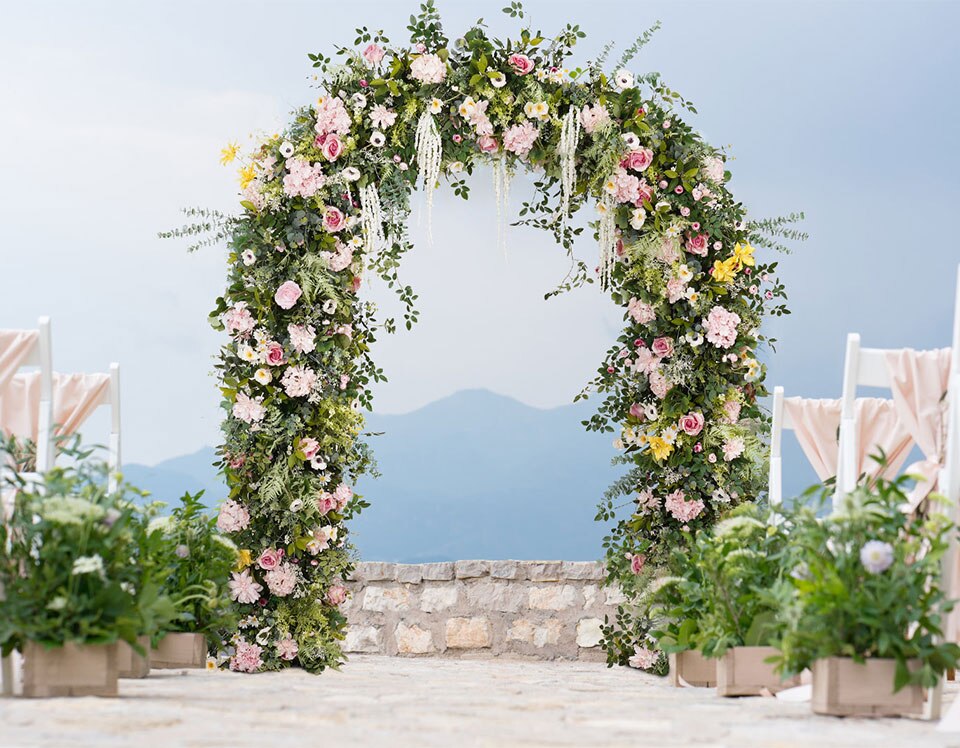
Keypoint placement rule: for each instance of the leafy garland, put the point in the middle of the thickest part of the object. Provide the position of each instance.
(327, 201)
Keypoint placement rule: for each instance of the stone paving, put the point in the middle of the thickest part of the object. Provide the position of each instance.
(384, 701)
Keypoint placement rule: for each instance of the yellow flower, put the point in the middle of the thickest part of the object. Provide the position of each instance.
(743, 255)
(229, 153)
(726, 271)
(247, 175)
(661, 448)
(244, 559)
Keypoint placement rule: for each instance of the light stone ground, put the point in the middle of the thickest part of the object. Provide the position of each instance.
(384, 701)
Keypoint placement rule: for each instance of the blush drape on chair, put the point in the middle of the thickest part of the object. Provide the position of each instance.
(919, 385)
(816, 423)
(15, 345)
(75, 397)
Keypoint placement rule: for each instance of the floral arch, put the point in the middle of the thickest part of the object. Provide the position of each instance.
(326, 202)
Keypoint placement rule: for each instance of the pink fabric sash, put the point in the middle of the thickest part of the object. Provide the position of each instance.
(15, 345)
(75, 397)
(817, 423)
(919, 384)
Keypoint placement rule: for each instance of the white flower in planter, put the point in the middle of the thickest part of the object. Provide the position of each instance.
(876, 556)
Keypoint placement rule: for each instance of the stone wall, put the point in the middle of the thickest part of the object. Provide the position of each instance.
(534, 609)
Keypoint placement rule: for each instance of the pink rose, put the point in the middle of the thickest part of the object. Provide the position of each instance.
(288, 294)
(270, 559)
(638, 159)
(692, 423)
(487, 143)
(333, 219)
(637, 561)
(309, 446)
(662, 347)
(337, 595)
(521, 64)
(373, 54)
(326, 502)
(698, 244)
(332, 147)
(636, 410)
(274, 355)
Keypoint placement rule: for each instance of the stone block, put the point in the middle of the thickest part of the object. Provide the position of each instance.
(383, 599)
(505, 597)
(437, 598)
(362, 639)
(543, 571)
(375, 571)
(409, 573)
(413, 639)
(589, 633)
(540, 635)
(553, 597)
(469, 633)
(614, 595)
(521, 630)
(470, 569)
(591, 596)
(437, 572)
(582, 570)
(504, 569)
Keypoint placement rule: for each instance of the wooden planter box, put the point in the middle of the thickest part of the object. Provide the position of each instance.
(129, 663)
(844, 688)
(692, 669)
(178, 651)
(743, 672)
(70, 670)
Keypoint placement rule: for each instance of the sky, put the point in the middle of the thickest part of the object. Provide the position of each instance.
(114, 113)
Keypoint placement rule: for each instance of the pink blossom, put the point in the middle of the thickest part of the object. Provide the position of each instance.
(721, 327)
(698, 244)
(332, 116)
(662, 347)
(487, 143)
(282, 580)
(637, 561)
(233, 517)
(244, 588)
(644, 193)
(337, 595)
(381, 117)
(640, 311)
(644, 658)
(274, 354)
(373, 53)
(647, 502)
(676, 290)
(636, 410)
(592, 117)
(659, 385)
(624, 187)
(681, 509)
(638, 159)
(667, 252)
(731, 411)
(331, 147)
(303, 179)
(732, 449)
(343, 329)
(321, 539)
(248, 409)
(692, 423)
(326, 502)
(287, 649)
(238, 320)
(270, 559)
(302, 338)
(519, 138)
(521, 64)
(342, 494)
(309, 447)
(287, 294)
(646, 361)
(339, 260)
(713, 169)
(333, 219)
(247, 658)
(298, 381)
(344, 381)
(428, 68)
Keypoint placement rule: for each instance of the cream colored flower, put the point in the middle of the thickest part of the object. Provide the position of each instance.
(263, 376)
(435, 106)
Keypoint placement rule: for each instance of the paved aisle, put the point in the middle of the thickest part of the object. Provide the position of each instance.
(381, 701)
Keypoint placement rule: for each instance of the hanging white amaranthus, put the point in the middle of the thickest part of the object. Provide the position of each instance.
(502, 176)
(567, 150)
(371, 217)
(429, 149)
(607, 235)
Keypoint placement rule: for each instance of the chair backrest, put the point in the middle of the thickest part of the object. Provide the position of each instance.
(779, 422)
(40, 354)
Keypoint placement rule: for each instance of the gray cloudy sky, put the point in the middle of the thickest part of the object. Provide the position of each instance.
(114, 112)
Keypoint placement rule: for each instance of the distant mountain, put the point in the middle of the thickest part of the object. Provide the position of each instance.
(475, 475)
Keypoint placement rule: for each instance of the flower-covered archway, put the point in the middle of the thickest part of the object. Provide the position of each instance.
(326, 202)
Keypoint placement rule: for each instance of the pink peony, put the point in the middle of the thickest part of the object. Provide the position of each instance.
(698, 244)
(244, 588)
(662, 347)
(248, 409)
(692, 423)
(326, 502)
(381, 117)
(332, 116)
(238, 320)
(640, 311)
(487, 143)
(331, 147)
(287, 649)
(645, 361)
(298, 381)
(637, 562)
(659, 385)
(274, 354)
(233, 517)
(732, 449)
(309, 446)
(339, 260)
(282, 580)
(270, 559)
(680, 509)
(713, 169)
(337, 595)
(302, 338)
(624, 187)
(638, 159)
(288, 294)
(247, 658)
(644, 658)
(333, 219)
(303, 179)
(592, 117)
(721, 327)
(373, 53)
(428, 68)
(521, 64)
(731, 411)
(676, 290)
(519, 138)
(667, 252)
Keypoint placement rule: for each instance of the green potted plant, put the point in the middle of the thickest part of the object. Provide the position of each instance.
(70, 589)
(199, 560)
(868, 605)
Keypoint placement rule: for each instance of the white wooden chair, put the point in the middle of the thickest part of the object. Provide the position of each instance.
(779, 423)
